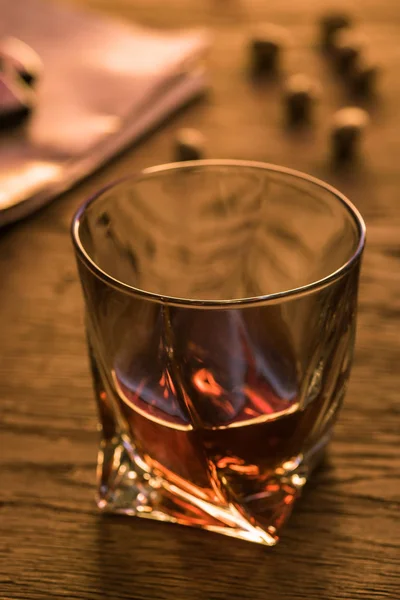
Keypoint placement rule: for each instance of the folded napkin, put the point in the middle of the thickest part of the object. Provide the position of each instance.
(104, 85)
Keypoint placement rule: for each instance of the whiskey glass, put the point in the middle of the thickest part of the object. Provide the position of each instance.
(221, 305)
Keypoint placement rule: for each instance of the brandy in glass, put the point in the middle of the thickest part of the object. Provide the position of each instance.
(220, 311)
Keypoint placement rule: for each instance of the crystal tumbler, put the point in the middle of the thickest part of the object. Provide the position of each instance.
(220, 313)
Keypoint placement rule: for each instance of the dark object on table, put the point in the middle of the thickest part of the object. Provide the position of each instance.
(266, 48)
(189, 145)
(363, 80)
(347, 50)
(330, 25)
(348, 126)
(18, 57)
(299, 97)
(16, 102)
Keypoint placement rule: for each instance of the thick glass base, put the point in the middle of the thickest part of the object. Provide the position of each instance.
(129, 485)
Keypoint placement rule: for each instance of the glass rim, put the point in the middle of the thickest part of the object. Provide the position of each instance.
(221, 304)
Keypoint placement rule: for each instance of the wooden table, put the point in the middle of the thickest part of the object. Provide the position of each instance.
(343, 538)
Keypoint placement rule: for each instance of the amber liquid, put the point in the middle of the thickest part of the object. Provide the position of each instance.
(243, 441)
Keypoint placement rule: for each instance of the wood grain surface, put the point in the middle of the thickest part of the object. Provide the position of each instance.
(343, 539)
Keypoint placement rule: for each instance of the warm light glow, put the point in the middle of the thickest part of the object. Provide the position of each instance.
(25, 181)
(72, 132)
(250, 470)
(147, 53)
(288, 499)
(258, 401)
(205, 383)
